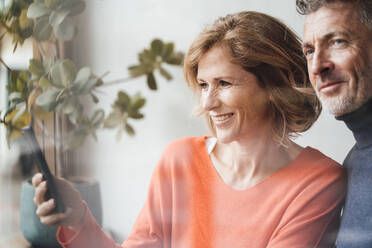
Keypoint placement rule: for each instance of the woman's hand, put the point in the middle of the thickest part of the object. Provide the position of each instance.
(74, 215)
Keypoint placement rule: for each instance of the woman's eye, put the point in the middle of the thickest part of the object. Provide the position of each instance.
(224, 83)
(203, 86)
(308, 52)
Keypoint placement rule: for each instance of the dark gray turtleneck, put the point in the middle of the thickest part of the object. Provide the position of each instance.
(356, 222)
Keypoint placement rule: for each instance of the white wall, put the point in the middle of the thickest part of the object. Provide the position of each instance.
(111, 33)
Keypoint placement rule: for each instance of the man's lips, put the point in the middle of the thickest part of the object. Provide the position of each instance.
(323, 86)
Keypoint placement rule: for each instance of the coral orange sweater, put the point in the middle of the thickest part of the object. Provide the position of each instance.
(188, 205)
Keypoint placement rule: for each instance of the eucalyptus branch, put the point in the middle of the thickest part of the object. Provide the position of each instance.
(117, 81)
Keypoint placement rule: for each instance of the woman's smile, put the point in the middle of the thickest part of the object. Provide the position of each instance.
(222, 118)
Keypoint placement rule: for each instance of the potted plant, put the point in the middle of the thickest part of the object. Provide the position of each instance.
(49, 94)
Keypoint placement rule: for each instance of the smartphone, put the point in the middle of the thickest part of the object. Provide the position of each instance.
(33, 147)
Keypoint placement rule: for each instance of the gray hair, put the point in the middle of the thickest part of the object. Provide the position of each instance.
(364, 8)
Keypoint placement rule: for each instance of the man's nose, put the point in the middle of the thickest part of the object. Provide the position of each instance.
(321, 63)
(210, 100)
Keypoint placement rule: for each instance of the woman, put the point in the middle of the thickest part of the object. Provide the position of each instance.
(247, 186)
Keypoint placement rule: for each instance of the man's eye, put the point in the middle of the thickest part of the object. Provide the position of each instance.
(224, 83)
(339, 42)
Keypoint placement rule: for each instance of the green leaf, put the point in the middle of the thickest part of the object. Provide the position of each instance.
(47, 98)
(167, 50)
(129, 129)
(47, 63)
(122, 101)
(82, 83)
(97, 118)
(75, 116)
(165, 73)
(138, 103)
(52, 4)
(136, 116)
(95, 98)
(83, 75)
(44, 83)
(151, 82)
(66, 30)
(157, 46)
(42, 29)
(88, 86)
(75, 7)
(24, 22)
(137, 70)
(37, 10)
(57, 17)
(63, 73)
(175, 59)
(69, 105)
(36, 68)
(113, 120)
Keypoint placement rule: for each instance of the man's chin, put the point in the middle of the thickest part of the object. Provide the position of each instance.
(338, 106)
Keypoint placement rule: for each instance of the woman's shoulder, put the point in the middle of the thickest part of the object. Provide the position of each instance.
(185, 149)
(315, 158)
(313, 164)
(185, 145)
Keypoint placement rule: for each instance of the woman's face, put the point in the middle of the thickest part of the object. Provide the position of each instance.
(231, 96)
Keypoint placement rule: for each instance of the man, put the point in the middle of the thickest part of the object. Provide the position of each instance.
(338, 48)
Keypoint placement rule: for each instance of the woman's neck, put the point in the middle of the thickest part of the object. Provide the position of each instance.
(243, 164)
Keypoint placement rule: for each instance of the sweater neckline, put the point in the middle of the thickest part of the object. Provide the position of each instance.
(360, 123)
(214, 173)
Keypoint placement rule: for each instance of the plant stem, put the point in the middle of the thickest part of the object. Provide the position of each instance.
(117, 81)
(4, 64)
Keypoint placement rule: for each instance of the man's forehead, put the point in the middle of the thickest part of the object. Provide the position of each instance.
(329, 21)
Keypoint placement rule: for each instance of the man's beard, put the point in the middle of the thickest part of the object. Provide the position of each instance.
(348, 101)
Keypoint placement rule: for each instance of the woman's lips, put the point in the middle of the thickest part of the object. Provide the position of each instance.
(222, 118)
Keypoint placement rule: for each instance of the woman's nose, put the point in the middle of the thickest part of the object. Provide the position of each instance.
(210, 100)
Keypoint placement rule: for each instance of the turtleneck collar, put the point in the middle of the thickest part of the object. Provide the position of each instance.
(360, 123)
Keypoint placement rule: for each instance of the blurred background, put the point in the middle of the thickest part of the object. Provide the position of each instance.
(110, 34)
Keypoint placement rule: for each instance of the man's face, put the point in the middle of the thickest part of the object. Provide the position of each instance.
(338, 49)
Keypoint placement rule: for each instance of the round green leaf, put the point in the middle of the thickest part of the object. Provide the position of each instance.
(57, 17)
(167, 50)
(157, 46)
(47, 98)
(44, 83)
(37, 10)
(83, 75)
(36, 68)
(42, 29)
(74, 6)
(138, 103)
(66, 30)
(63, 73)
